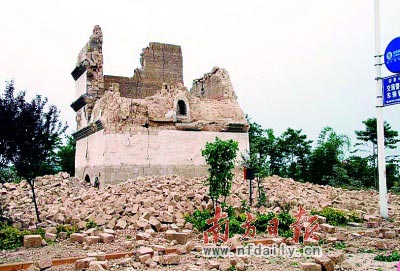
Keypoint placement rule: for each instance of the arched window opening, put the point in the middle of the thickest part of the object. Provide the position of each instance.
(87, 178)
(181, 109)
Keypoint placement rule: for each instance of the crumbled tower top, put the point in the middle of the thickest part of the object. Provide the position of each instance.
(155, 96)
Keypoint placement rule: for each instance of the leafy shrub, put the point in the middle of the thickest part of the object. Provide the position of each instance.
(241, 217)
(395, 189)
(229, 210)
(262, 220)
(69, 229)
(285, 220)
(9, 175)
(11, 237)
(245, 207)
(262, 199)
(286, 233)
(198, 219)
(333, 216)
(393, 257)
(39, 231)
(234, 227)
(91, 224)
(353, 217)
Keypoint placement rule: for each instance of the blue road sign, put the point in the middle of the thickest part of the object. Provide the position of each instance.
(392, 56)
(391, 90)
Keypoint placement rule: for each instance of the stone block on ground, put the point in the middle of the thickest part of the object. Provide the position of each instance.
(144, 250)
(33, 268)
(32, 241)
(127, 244)
(310, 267)
(389, 234)
(143, 236)
(326, 263)
(321, 219)
(327, 228)
(121, 224)
(81, 225)
(95, 265)
(50, 236)
(106, 237)
(91, 240)
(180, 237)
(100, 256)
(158, 248)
(109, 231)
(155, 224)
(77, 237)
(213, 264)
(83, 264)
(336, 257)
(170, 259)
(370, 218)
(355, 235)
(224, 266)
(240, 266)
(44, 264)
(373, 224)
(51, 230)
(144, 258)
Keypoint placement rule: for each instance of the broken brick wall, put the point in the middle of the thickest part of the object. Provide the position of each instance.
(161, 63)
(214, 85)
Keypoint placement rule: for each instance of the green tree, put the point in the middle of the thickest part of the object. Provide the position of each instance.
(329, 152)
(66, 156)
(263, 148)
(33, 134)
(359, 170)
(369, 135)
(353, 172)
(220, 157)
(368, 138)
(294, 150)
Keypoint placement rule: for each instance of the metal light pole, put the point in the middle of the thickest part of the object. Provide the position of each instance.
(383, 198)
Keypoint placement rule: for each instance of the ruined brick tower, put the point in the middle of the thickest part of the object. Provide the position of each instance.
(149, 124)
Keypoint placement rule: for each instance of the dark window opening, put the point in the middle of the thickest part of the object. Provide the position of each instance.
(181, 108)
(87, 178)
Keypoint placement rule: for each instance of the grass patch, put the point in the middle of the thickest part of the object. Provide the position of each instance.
(392, 257)
(337, 217)
(339, 245)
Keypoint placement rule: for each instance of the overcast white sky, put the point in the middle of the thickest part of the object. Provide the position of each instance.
(301, 64)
